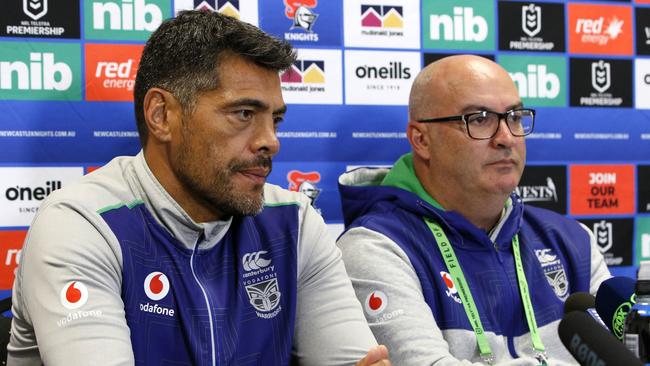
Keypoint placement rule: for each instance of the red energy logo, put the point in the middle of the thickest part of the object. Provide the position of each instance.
(11, 243)
(110, 71)
(600, 29)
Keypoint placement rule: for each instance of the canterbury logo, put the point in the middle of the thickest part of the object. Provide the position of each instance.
(253, 261)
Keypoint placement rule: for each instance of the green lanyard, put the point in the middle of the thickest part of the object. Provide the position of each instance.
(449, 256)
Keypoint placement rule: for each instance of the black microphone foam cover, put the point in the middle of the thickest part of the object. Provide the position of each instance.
(579, 301)
(591, 344)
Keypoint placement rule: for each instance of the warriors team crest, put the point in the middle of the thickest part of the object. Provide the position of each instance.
(261, 283)
(554, 271)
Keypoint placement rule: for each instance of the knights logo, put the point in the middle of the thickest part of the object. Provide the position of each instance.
(600, 76)
(451, 291)
(604, 235)
(35, 9)
(265, 295)
(531, 19)
(301, 13)
(305, 183)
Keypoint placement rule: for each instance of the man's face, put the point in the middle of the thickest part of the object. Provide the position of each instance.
(226, 145)
(477, 167)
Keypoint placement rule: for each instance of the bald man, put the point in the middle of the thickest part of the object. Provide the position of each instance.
(451, 267)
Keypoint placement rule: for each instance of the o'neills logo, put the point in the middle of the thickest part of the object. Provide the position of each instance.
(395, 70)
(547, 193)
(32, 193)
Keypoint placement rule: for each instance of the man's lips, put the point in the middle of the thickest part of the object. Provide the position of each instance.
(504, 162)
(257, 175)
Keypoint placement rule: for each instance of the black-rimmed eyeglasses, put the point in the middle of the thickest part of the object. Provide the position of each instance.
(484, 125)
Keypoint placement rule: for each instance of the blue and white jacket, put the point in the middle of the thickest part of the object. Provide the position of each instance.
(114, 272)
(411, 302)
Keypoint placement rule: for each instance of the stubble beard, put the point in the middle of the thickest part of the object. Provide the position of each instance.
(215, 186)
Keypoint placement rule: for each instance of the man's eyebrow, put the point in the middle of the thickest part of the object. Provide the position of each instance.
(248, 102)
(256, 103)
(281, 110)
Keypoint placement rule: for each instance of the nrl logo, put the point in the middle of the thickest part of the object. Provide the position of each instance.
(35, 9)
(600, 76)
(603, 231)
(531, 19)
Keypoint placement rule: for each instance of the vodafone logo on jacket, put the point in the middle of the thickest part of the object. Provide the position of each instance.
(375, 303)
(74, 295)
(156, 286)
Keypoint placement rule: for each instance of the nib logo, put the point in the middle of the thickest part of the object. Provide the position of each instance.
(156, 286)
(375, 303)
(531, 19)
(537, 82)
(35, 9)
(40, 71)
(123, 19)
(74, 295)
(600, 76)
(464, 26)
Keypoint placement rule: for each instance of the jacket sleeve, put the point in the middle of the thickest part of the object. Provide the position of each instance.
(599, 270)
(59, 323)
(330, 327)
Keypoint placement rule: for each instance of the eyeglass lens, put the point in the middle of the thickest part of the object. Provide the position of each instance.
(485, 124)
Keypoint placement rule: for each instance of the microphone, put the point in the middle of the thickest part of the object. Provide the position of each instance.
(583, 301)
(579, 301)
(614, 300)
(590, 344)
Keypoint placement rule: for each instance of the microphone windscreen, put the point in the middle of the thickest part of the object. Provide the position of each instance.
(614, 300)
(591, 344)
(579, 301)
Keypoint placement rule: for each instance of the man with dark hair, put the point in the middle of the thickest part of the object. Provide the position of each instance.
(182, 254)
(453, 269)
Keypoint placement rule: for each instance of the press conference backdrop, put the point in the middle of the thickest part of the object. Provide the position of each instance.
(67, 69)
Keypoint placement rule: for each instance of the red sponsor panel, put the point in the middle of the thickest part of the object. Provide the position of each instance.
(11, 244)
(110, 71)
(642, 1)
(602, 189)
(600, 29)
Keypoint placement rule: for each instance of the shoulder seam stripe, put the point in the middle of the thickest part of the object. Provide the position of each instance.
(130, 205)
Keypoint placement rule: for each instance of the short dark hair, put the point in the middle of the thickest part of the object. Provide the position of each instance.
(183, 55)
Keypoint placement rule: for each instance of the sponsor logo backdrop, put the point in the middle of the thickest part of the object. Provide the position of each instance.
(67, 70)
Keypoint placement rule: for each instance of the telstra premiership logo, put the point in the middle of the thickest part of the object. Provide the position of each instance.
(601, 76)
(35, 9)
(531, 19)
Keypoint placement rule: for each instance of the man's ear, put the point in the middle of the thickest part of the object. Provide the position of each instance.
(161, 111)
(418, 137)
